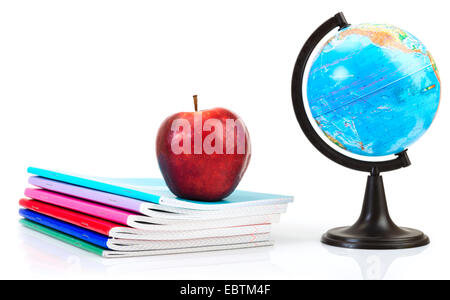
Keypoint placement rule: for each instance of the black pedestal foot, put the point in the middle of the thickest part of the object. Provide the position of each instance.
(374, 228)
(400, 239)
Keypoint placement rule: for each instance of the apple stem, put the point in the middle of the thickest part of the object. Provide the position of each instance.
(195, 103)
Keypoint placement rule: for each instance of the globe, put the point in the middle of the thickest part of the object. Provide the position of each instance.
(373, 89)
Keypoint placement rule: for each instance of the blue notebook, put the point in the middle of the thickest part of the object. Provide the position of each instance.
(139, 245)
(156, 191)
(78, 232)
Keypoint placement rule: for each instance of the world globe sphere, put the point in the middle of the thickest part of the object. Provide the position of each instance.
(373, 89)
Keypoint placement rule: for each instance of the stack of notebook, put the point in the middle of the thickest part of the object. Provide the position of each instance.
(115, 217)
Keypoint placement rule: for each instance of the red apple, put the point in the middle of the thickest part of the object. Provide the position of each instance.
(203, 154)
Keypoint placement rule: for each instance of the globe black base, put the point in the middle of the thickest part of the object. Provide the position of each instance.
(375, 228)
(401, 238)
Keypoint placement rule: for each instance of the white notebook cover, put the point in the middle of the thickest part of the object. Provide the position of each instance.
(137, 234)
(138, 245)
(119, 254)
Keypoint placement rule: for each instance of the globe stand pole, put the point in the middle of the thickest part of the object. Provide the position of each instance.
(375, 229)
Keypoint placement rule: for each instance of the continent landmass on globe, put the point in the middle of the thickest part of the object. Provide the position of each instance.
(388, 36)
(373, 89)
(331, 138)
(384, 36)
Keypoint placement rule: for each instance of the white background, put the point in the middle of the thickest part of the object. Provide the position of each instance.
(84, 86)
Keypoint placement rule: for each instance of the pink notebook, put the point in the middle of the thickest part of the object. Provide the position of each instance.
(140, 221)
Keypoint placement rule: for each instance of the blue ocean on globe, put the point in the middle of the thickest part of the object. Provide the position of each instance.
(373, 89)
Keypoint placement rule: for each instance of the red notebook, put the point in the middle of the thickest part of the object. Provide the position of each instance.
(138, 221)
(70, 216)
(115, 230)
